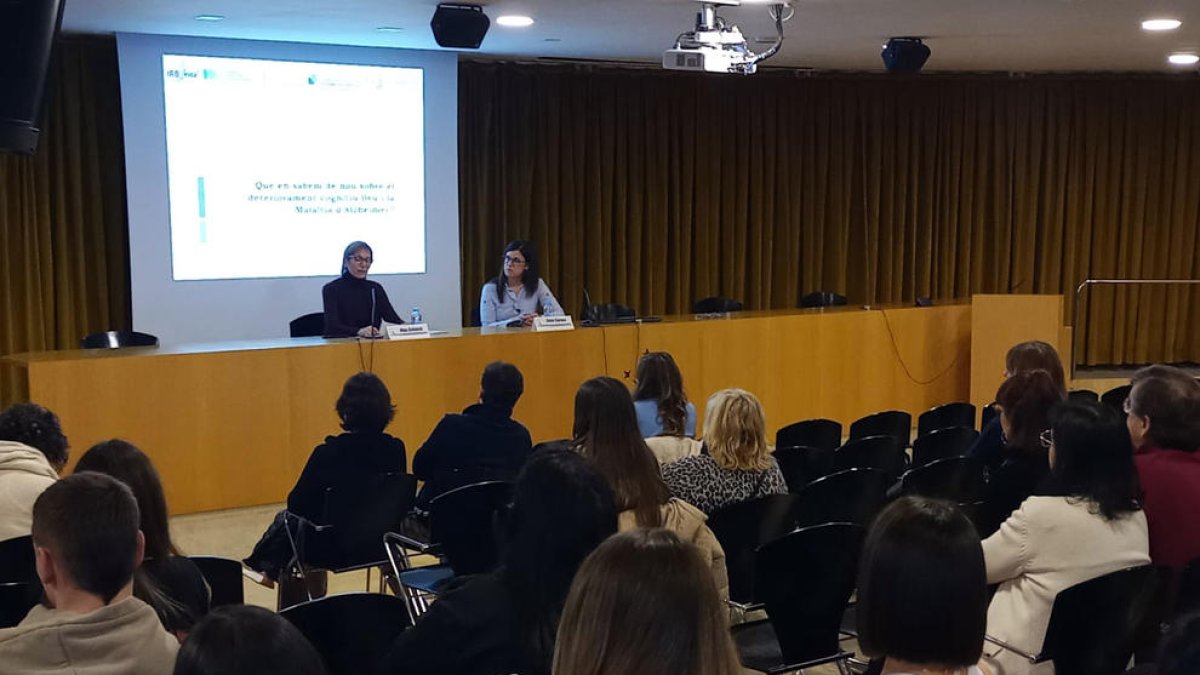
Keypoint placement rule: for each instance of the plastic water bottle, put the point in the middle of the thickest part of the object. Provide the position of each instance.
(415, 317)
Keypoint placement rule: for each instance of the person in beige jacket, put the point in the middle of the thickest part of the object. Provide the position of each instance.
(606, 432)
(33, 450)
(1092, 525)
(87, 545)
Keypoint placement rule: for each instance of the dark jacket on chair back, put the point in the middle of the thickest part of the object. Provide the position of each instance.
(342, 462)
(482, 443)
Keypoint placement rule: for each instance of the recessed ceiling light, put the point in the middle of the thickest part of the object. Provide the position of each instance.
(1161, 24)
(515, 21)
(389, 29)
(1184, 59)
(209, 17)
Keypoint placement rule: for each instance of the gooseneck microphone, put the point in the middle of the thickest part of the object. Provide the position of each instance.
(372, 307)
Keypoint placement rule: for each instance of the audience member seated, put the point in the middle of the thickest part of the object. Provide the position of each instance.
(1092, 525)
(1178, 651)
(87, 545)
(1163, 415)
(246, 640)
(505, 622)
(922, 591)
(644, 603)
(1034, 355)
(33, 450)
(662, 406)
(167, 581)
(1025, 400)
(738, 465)
(482, 443)
(606, 432)
(341, 462)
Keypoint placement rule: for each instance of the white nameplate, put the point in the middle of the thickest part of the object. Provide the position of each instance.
(547, 323)
(406, 331)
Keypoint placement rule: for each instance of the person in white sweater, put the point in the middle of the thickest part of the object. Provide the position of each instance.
(33, 450)
(1091, 525)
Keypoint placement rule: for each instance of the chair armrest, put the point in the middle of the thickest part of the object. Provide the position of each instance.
(1032, 658)
(744, 607)
(426, 547)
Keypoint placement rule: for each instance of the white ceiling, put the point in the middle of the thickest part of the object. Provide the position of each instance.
(965, 35)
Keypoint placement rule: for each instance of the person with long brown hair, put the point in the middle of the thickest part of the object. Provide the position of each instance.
(661, 404)
(642, 602)
(1022, 357)
(606, 432)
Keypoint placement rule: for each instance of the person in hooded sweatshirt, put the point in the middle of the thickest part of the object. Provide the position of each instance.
(33, 450)
(353, 305)
(87, 545)
(341, 462)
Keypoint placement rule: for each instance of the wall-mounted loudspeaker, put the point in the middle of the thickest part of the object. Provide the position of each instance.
(905, 55)
(27, 32)
(459, 26)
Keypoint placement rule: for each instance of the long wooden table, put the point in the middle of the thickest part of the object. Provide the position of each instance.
(232, 424)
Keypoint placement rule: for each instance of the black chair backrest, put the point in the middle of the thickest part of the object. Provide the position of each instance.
(715, 305)
(942, 444)
(16, 599)
(818, 433)
(556, 444)
(802, 465)
(822, 299)
(945, 416)
(956, 479)
(1187, 589)
(17, 561)
(1096, 625)
(849, 496)
(894, 423)
(805, 580)
(476, 319)
(609, 311)
(989, 413)
(1115, 397)
(742, 528)
(115, 339)
(307, 325)
(359, 516)
(1083, 395)
(873, 452)
(224, 577)
(352, 632)
(463, 522)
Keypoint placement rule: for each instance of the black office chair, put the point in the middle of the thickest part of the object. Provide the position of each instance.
(1095, 626)
(16, 599)
(1115, 397)
(848, 496)
(476, 319)
(815, 433)
(20, 588)
(741, 528)
(17, 562)
(556, 444)
(224, 577)
(1187, 589)
(352, 632)
(822, 299)
(942, 444)
(716, 305)
(802, 465)
(873, 452)
(956, 479)
(116, 339)
(307, 325)
(1083, 395)
(894, 423)
(610, 312)
(805, 580)
(944, 416)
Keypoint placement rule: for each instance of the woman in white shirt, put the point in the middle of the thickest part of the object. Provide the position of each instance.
(517, 293)
(1094, 525)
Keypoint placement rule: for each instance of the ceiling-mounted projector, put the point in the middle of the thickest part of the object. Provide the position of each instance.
(718, 47)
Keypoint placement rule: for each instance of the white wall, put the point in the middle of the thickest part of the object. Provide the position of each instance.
(240, 309)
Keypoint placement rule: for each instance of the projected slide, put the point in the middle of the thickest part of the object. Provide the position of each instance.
(274, 166)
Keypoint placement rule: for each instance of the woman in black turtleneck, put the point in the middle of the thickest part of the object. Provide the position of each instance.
(353, 305)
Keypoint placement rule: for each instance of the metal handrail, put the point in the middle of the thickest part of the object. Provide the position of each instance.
(1113, 282)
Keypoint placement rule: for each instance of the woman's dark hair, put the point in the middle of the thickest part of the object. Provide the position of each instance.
(33, 425)
(246, 640)
(125, 462)
(531, 275)
(562, 509)
(365, 404)
(1093, 458)
(606, 431)
(1026, 398)
(1179, 650)
(1036, 355)
(922, 586)
(658, 379)
(352, 248)
(1170, 398)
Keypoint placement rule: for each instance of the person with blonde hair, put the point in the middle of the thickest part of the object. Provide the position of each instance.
(643, 602)
(737, 465)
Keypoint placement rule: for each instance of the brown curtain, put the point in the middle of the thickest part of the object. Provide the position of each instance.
(656, 189)
(63, 233)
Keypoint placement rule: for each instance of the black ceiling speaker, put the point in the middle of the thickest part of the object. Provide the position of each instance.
(27, 32)
(904, 54)
(459, 26)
